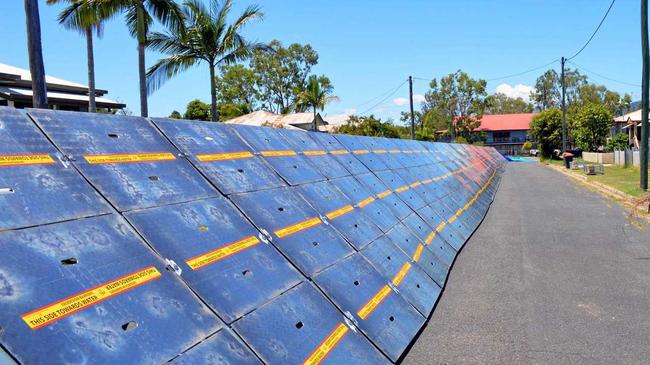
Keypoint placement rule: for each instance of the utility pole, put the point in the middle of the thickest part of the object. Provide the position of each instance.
(644, 95)
(563, 81)
(412, 114)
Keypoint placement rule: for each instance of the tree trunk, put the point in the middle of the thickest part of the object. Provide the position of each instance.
(35, 50)
(213, 95)
(315, 123)
(92, 106)
(142, 40)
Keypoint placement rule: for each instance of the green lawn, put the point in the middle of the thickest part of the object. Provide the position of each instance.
(620, 178)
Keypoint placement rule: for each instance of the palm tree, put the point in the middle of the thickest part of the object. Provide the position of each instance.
(206, 37)
(139, 16)
(83, 16)
(35, 50)
(316, 95)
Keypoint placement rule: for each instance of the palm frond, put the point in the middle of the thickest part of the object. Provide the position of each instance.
(166, 68)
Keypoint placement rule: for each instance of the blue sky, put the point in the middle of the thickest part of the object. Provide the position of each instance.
(369, 47)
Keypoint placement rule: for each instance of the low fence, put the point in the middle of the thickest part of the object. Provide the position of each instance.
(602, 158)
(627, 157)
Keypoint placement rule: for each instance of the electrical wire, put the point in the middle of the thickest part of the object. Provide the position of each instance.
(603, 76)
(595, 31)
(386, 98)
(376, 97)
(506, 76)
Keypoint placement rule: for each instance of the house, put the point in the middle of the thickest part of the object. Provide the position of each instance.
(629, 123)
(297, 121)
(16, 91)
(506, 132)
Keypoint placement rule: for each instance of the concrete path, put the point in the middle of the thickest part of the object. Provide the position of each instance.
(555, 274)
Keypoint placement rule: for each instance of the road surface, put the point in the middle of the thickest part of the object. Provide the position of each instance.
(555, 274)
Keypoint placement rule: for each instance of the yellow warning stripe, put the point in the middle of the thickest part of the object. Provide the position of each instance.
(379, 152)
(224, 156)
(430, 237)
(418, 252)
(25, 160)
(408, 152)
(360, 152)
(320, 353)
(295, 228)
(67, 306)
(402, 189)
(339, 212)
(415, 184)
(427, 181)
(374, 302)
(339, 152)
(399, 277)
(441, 226)
(221, 253)
(278, 153)
(453, 218)
(314, 153)
(394, 151)
(365, 202)
(384, 194)
(129, 157)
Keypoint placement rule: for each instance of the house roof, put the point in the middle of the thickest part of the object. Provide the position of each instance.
(23, 94)
(506, 122)
(300, 121)
(634, 116)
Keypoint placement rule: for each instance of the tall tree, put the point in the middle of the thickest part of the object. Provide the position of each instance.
(206, 37)
(35, 50)
(140, 15)
(236, 88)
(461, 97)
(316, 95)
(84, 17)
(592, 126)
(500, 103)
(282, 74)
(546, 129)
(547, 91)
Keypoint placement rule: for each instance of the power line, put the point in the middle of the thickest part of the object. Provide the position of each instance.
(376, 97)
(605, 77)
(595, 31)
(506, 76)
(384, 99)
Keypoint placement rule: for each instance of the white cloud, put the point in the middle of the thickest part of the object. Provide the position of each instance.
(417, 98)
(517, 91)
(400, 101)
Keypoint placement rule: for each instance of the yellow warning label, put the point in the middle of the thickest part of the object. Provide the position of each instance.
(441, 226)
(459, 212)
(320, 353)
(379, 152)
(67, 306)
(339, 212)
(339, 152)
(402, 189)
(360, 152)
(374, 302)
(415, 184)
(427, 181)
(129, 158)
(394, 151)
(418, 253)
(384, 194)
(278, 153)
(401, 274)
(295, 228)
(24, 160)
(365, 202)
(224, 156)
(430, 237)
(453, 218)
(211, 257)
(314, 153)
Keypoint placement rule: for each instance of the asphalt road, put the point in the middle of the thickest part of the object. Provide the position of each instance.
(555, 274)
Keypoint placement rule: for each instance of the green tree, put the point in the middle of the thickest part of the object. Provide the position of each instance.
(620, 141)
(592, 126)
(35, 52)
(236, 88)
(139, 15)
(370, 126)
(206, 37)
(316, 95)
(282, 74)
(175, 115)
(548, 89)
(229, 111)
(527, 146)
(83, 16)
(500, 103)
(546, 129)
(197, 110)
(461, 97)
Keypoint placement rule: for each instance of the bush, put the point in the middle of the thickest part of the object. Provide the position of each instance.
(460, 140)
(527, 146)
(592, 126)
(546, 128)
(618, 142)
